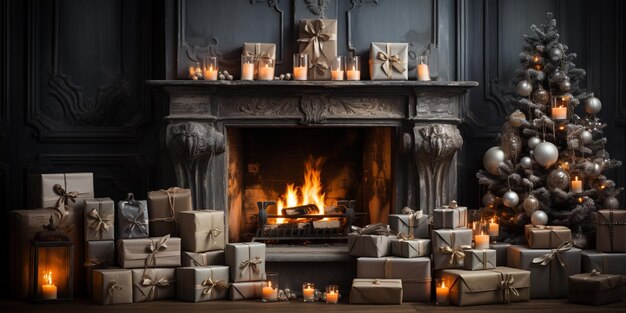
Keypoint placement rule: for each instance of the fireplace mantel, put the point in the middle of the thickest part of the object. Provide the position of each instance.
(424, 114)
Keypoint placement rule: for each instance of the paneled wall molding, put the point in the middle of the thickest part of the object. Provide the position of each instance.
(4, 65)
(620, 53)
(318, 7)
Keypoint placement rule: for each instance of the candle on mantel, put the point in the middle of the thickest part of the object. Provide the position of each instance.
(353, 74)
(210, 73)
(48, 290)
(269, 293)
(422, 72)
(494, 229)
(247, 71)
(559, 113)
(442, 293)
(482, 241)
(266, 72)
(299, 73)
(577, 185)
(308, 292)
(337, 75)
(332, 297)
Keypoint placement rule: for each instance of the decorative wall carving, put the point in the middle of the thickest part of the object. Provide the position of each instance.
(260, 106)
(313, 109)
(431, 105)
(317, 7)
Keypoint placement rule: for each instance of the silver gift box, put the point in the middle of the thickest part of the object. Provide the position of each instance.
(448, 246)
(154, 284)
(99, 219)
(246, 261)
(149, 252)
(410, 225)
(448, 218)
(201, 231)
(376, 291)
(203, 258)
(479, 259)
(199, 284)
(389, 61)
(414, 273)
(369, 245)
(132, 219)
(112, 286)
(98, 255)
(246, 290)
(410, 248)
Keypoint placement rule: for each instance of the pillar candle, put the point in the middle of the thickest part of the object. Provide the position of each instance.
(442, 293)
(299, 73)
(337, 75)
(577, 185)
(247, 71)
(266, 72)
(332, 297)
(308, 293)
(269, 293)
(353, 74)
(210, 74)
(494, 229)
(422, 72)
(482, 241)
(559, 113)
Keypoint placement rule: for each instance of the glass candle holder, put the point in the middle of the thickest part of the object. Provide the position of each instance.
(266, 69)
(247, 67)
(423, 72)
(195, 71)
(308, 292)
(270, 287)
(481, 239)
(300, 66)
(576, 185)
(442, 292)
(559, 106)
(337, 68)
(494, 229)
(332, 294)
(210, 68)
(353, 68)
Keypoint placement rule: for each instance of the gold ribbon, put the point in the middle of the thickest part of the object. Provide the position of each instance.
(147, 281)
(171, 200)
(154, 250)
(456, 253)
(213, 233)
(372, 229)
(594, 273)
(252, 263)
(506, 284)
(484, 260)
(112, 290)
(98, 223)
(258, 54)
(137, 221)
(317, 36)
(208, 284)
(63, 203)
(390, 61)
(318, 66)
(548, 257)
(93, 261)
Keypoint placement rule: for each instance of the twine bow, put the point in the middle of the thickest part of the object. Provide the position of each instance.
(137, 221)
(93, 262)
(548, 257)
(153, 284)
(456, 254)
(209, 284)
(372, 229)
(253, 264)
(213, 233)
(112, 289)
(390, 62)
(317, 36)
(172, 205)
(376, 282)
(318, 66)
(258, 54)
(594, 273)
(98, 223)
(507, 287)
(65, 198)
(154, 250)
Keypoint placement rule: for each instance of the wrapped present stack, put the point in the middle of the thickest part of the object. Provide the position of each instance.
(318, 39)
(246, 263)
(99, 232)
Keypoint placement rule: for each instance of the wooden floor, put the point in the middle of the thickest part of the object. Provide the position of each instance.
(552, 306)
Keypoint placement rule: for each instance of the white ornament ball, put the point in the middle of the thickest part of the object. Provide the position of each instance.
(530, 204)
(489, 199)
(556, 54)
(586, 136)
(526, 162)
(533, 142)
(592, 105)
(492, 160)
(539, 218)
(517, 118)
(610, 203)
(510, 198)
(524, 88)
(546, 154)
(597, 169)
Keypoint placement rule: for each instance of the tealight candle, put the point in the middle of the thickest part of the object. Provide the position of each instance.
(494, 229)
(48, 290)
(266, 69)
(576, 185)
(247, 67)
(481, 241)
(336, 68)
(442, 292)
(353, 68)
(308, 292)
(300, 66)
(559, 107)
(332, 294)
(269, 293)
(423, 73)
(559, 113)
(210, 68)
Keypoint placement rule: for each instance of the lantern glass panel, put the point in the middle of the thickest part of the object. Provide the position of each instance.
(51, 271)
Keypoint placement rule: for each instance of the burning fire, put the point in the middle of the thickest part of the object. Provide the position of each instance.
(309, 193)
(47, 277)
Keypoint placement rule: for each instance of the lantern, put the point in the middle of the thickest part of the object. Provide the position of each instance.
(51, 264)
(559, 106)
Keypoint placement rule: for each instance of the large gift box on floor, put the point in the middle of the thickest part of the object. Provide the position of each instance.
(246, 290)
(376, 291)
(499, 285)
(98, 255)
(154, 284)
(370, 241)
(203, 258)
(611, 231)
(318, 39)
(99, 219)
(549, 268)
(595, 288)
(198, 284)
(412, 225)
(410, 248)
(201, 231)
(479, 259)
(112, 286)
(605, 263)
(389, 61)
(546, 237)
(448, 246)
(162, 208)
(246, 261)
(132, 218)
(149, 252)
(414, 272)
(450, 217)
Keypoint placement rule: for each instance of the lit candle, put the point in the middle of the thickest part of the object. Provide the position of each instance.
(269, 293)
(247, 71)
(210, 73)
(494, 229)
(48, 291)
(482, 241)
(299, 73)
(559, 113)
(308, 292)
(337, 75)
(577, 185)
(353, 74)
(422, 72)
(266, 72)
(442, 293)
(332, 297)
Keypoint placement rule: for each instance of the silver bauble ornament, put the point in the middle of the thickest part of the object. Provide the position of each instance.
(565, 86)
(511, 145)
(533, 142)
(489, 200)
(510, 198)
(610, 203)
(558, 75)
(586, 136)
(592, 105)
(540, 95)
(546, 154)
(524, 88)
(530, 204)
(526, 162)
(597, 169)
(558, 178)
(492, 160)
(556, 54)
(539, 218)
(517, 118)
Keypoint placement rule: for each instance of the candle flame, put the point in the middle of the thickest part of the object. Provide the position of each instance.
(269, 283)
(492, 220)
(482, 232)
(575, 177)
(48, 277)
(443, 284)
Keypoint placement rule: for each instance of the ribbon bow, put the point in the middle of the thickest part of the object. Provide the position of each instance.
(112, 290)
(65, 198)
(373, 229)
(258, 54)
(213, 233)
(99, 224)
(93, 261)
(315, 30)
(456, 254)
(594, 273)
(376, 281)
(318, 66)
(153, 284)
(253, 264)
(136, 221)
(390, 61)
(548, 257)
(209, 284)
(154, 250)
(507, 287)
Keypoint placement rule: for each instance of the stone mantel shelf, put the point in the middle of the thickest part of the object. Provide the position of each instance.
(311, 83)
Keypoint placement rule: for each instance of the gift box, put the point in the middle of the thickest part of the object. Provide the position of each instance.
(479, 259)
(413, 225)
(154, 284)
(112, 286)
(132, 218)
(201, 231)
(61, 190)
(546, 237)
(99, 218)
(246, 261)
(450, 217)
(611, 231)
(499, 285)
(389, 61)
(149, 252)
(163, 206)
(199, 284)
(414, 273)
(373, 240)
(203, 259)
(246, 290)
(376, 291)
(318, 39)
(595, 288)
(501, 252)
(549, 268)
(259, 51)
(98, 255)
(606, 263)
(410, 248)
(448, 246)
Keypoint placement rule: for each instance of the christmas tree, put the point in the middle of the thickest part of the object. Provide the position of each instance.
(549, 167)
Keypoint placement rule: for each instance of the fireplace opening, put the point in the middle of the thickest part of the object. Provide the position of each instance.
(307, 183)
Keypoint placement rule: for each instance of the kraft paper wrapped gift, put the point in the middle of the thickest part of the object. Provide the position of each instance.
(132, 218)
(448, 247)
(112, 286)
(318, 39)
(246, 261)
(246, 290)
(450, 217)
(412, 225)
(154, 284)
(501, 252)
(499, 285)
(410, 248)
(201, 231)
(611, 231)
(373, 240)
(259, 51)
(203, 259)
(98, 255)
(414, 273)
(163, 206)
(479, 259)
(149, 252)
(606, 263)
(548, 276)
(376, 291)
(199, 284)
(546, 237)
(99, 219)
(389, 61)
(595, 288)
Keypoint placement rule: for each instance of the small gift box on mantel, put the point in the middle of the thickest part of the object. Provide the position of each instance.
(499, 285)
(450, 216)
(149, 252)
(112, 286)
(410, 224)
(546, 237)
(449, 246)
(373, 240)
(246, 261)
(132, 218)
(99, 219)
(611, 231)
(595, 288)
(163, 205)
(376, 291)
(389, 61)
(154, 284)
(259, 51)
(201, 231)
(199, 284)
(191, 259)
(318, 39)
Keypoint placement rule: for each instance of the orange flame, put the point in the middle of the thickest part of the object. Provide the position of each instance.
(48, 277)
(309, 193)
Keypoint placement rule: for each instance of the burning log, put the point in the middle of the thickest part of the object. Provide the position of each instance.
(301, 210)
(334, 224)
